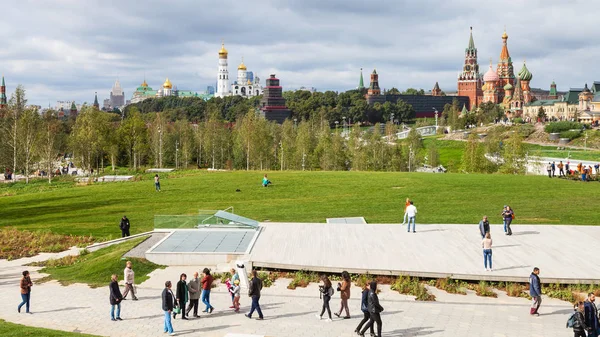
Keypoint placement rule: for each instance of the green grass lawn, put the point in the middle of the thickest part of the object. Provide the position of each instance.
(17, 330)
(301, 196)
(551, 151)
(95, 269)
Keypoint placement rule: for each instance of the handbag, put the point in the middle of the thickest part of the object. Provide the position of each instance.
(177, 309)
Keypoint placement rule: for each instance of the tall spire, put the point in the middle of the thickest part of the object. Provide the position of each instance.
(471, 43)
(361, 83)
(96, 105)
(2, 94)
(504, 55)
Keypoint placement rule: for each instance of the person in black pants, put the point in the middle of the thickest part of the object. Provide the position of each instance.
(508, 215)
(124, 226)
(326, 292)
(181, 295)
(364, 307)
(254, 292)
(374, 310)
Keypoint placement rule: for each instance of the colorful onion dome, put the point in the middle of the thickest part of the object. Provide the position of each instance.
(508, 86)
(491, 75)
(525, 74)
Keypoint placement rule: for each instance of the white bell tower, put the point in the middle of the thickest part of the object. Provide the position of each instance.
(223, 88)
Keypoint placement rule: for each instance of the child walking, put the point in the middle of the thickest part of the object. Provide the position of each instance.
(235, 290)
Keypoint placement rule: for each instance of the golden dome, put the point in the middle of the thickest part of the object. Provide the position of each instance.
(223, 51)
(144, 84)
(242, 66)
(505, 36)
(249, 82)
(167, 84)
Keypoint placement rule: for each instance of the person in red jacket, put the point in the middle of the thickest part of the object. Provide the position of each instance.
(207, 281)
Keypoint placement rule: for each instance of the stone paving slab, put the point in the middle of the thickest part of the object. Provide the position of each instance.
(435, 251)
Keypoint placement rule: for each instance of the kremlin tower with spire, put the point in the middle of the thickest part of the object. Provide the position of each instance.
(3, 94)
(469, 80)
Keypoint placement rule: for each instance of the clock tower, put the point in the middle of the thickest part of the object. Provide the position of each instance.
(470, 80)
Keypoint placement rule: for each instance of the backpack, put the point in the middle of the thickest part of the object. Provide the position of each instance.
(571, 320)
(513, 215)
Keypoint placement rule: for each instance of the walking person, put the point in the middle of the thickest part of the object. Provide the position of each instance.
(561, 169)
(254, 292)
(115, 298)
(484, 226)
(207, 281)
(411, 213)
(375, 310)
(364, 307)
(128, 276)
(553, 166)
(486, 244)
(326, 291)
(508, 214)
(167, 307)
(406, 204)
(236, 289)
(181, 295)
(591, 315)
(579, 326)
(344, 289)
(567, 169)
(124, 225)
(535, 291)
(549, 169)
(25, 285)
(157, 183)
(194, 296)
(234, 276)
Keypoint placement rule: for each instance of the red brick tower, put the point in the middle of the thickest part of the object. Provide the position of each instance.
(470, 80)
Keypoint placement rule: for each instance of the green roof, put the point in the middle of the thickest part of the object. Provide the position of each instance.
(572, 96)
(543, 102)
(471, 43)
(361, 83)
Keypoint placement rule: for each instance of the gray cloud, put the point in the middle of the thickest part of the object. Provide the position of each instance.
(69, 49)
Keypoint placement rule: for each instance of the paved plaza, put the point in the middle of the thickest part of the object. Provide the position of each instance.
(288, 313)
(435, 251)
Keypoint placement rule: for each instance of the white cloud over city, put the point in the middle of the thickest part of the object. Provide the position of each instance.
(69, 49)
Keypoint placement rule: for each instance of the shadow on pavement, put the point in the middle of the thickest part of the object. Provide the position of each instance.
(211, 328)
(526, 233)
(292, 314)
(513, 267)
(61, 309)
(424, 331)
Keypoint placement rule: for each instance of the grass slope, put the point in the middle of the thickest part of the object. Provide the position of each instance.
(303, 196)
(17, 330)
(96, 268)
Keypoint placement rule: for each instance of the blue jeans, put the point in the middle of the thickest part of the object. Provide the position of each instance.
(504, 222)
(25, 298)
(157, 186)
(487, 257)
(206, 299)
(112, 310)
(255, 306)
(411, 218)
(168, 326)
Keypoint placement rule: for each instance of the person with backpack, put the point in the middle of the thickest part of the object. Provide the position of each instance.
(577, 321)
(326, 291)
(344, 289)
(535, 291)
(553, 168)
(508, 216)
(375, 310)
(591, 315)
(364, 307)
(124, 225)
(254, 292)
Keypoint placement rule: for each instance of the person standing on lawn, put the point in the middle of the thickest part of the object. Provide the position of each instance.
(486, 244)
(25, 285)
(375, 310)
(115, 298)
(124, 225)
(344, 289)
(254, 291)
(167, 307)
(561, 169)
(591, 315)
(207, 281)
(535, 291)
(484, 226)
(157, 183)
(128, 276)
(364, 307)
(411, 212)
(194, 289)
(508, 216)
(181, 295)
(553, 168)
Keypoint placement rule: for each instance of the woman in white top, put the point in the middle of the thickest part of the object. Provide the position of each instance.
(235, 291)
(486, 244)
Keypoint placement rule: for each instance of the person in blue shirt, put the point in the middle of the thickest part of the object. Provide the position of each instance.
(266, 182)
(535, 291)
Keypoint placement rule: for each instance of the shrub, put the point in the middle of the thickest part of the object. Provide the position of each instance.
(19, 243)
(412, 286)
(268, 278)
(570, 134)
(557, 127)
(516, 290)
(518, 120)
(570, 294)
(484, 289)
(451, 286)
(302, 279)
(525, 130)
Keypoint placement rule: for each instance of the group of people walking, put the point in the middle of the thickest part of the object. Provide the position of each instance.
(585, 171)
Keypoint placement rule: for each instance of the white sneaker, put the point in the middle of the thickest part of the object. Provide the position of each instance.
(490, 269)
(318, 317)
(172, 333)
(328, 320)
(485, 269)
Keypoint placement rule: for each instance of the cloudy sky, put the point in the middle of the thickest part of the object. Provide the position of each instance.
(69, 49)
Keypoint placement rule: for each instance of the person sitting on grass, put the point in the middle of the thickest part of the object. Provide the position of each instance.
(266, 182)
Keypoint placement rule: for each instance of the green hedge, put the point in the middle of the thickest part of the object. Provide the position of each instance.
(557, 127)
(570, 134)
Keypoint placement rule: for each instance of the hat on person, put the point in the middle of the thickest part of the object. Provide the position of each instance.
(236, 282)
(505, 206)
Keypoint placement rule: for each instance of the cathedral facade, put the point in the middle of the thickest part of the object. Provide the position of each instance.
(244, 85)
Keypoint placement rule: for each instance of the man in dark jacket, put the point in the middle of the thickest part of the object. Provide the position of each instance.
(591, 315)
(167, 307)
(375, 310)
(124, 226)
(254, 292)
(364, 307)
(535, 291)
(484, 226)
(115, 298)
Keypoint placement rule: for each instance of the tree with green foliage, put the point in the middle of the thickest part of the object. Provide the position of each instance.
(433, 154)
(51, 142)
(514, 155)
(132, 132)
(473, 158)
(305, 145)
(404, 112)
(89, 137)
(413, 144)
(541, 113)
(29, 134)
(413, 91)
